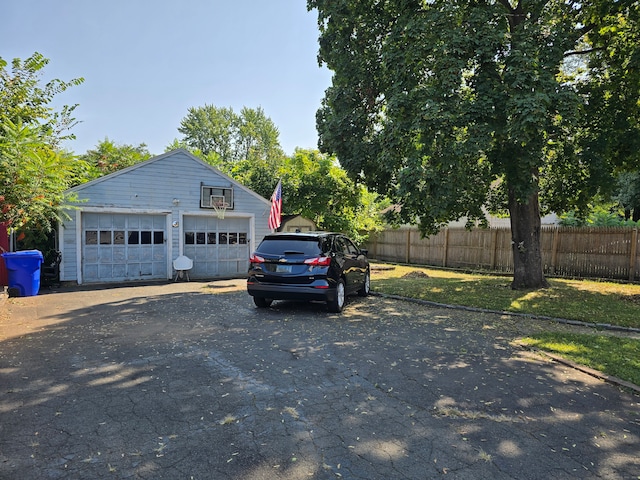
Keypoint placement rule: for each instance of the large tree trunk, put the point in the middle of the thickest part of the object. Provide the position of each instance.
(525, 242)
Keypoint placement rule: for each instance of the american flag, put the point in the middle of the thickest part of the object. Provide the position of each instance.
(276, 207)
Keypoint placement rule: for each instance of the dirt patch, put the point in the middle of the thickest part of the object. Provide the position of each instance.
(415, 274)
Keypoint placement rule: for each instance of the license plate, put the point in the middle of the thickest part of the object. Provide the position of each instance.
(283, 268)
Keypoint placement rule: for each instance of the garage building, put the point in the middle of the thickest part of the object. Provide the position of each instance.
(131, 225)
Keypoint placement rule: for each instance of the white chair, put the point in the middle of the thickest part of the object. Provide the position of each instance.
(182, 265)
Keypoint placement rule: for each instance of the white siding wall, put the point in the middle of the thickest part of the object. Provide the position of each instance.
(151, 187)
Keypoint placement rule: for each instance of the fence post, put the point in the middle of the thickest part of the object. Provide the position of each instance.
(407, 247)
(554, 250)
(632, 257)
(494, 250)
(446, 247)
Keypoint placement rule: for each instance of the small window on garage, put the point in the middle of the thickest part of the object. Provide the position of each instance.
(189, 238)
(91, 237)
(200, 238)
(242, 238)
(211, 238)
(105, 237)
(158, 238)
(145, 237)
(118, 237)
(134, 238)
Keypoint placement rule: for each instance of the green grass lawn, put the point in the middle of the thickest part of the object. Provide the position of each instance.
(587, 301)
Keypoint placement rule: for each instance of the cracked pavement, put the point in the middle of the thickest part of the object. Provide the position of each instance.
(191, 381)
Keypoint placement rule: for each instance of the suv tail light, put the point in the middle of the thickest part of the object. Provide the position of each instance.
(256, 258)
(318, 261)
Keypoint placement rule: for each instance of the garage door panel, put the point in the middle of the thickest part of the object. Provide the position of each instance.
(218, 247)
(146, 254)
(119, 270)
(105, 221)
(120, 247)
(105, 256)
(105, 271)
(91, 254)
(91, 221)
(159, 253)
(91, 272)
(146, 269)
(119, 254)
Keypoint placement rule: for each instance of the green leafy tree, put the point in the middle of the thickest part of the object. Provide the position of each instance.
(611, 87)
(210, 129)
(250, 135)
(176, 144)
(34, 172)
(316, 187)
(257, 137)
(33, 177)
(24, 99)
(628, 194)
(109, 157)
(449, 105)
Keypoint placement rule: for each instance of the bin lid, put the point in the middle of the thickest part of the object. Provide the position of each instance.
(24, 253)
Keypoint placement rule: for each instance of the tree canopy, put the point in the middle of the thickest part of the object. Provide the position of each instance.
(219, 131)
(109, 157)
(452, 106)
(316, 187)
(34, 172)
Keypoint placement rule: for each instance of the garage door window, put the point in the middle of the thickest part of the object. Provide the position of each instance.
(211, 238)
(145, 237)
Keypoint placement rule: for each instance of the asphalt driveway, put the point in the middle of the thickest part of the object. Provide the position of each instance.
(191, 381)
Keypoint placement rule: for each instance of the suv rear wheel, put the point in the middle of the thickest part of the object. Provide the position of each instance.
(336, 305)
(262, 302)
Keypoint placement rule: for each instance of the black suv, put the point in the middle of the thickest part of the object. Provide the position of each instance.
(307, 266)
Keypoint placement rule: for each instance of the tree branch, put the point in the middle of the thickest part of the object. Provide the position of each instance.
(582, 52)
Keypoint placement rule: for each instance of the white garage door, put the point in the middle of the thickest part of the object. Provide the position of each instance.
(219, 248)
(119, 247)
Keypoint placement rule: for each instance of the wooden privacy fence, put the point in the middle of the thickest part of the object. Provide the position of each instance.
(570, 252)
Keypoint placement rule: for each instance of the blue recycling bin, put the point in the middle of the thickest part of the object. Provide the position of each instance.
(23, 270)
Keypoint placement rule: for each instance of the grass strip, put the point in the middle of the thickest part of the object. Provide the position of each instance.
(613, 355)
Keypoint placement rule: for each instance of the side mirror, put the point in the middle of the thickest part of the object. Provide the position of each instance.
(365, 252)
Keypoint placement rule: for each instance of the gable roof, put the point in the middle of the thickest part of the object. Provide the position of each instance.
(157, 158)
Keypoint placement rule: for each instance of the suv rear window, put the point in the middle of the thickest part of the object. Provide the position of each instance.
(279, 246)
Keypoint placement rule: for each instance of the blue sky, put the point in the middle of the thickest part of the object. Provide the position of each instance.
(146, 62)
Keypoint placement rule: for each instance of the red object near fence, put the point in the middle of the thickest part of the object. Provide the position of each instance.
(4, 247)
